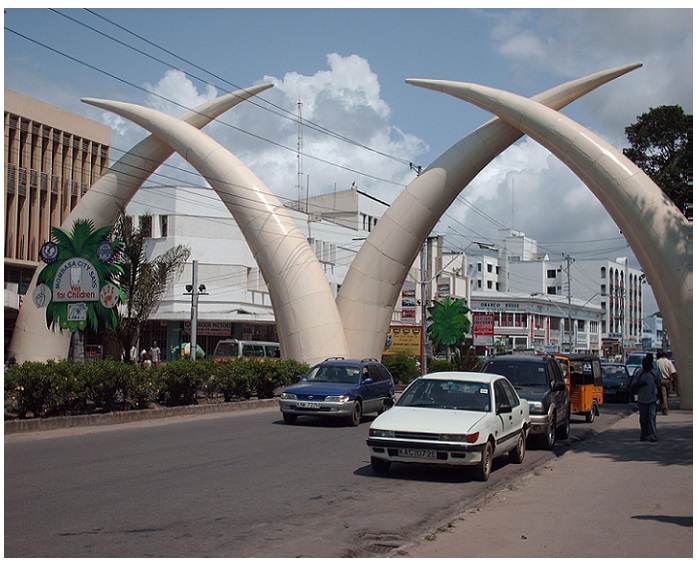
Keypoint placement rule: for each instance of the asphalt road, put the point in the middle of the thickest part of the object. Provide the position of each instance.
(240, 484)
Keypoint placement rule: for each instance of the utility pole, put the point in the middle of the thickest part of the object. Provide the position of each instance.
(194, 292)
(569, 260)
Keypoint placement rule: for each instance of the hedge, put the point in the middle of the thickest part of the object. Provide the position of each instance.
(57, 388)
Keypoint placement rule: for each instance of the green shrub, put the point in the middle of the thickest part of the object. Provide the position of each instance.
(69, 394)
(180, 379)
(142, 388)
(439, 365)
(404, 368)
(232, 379)
(106, 381)
(28, 387)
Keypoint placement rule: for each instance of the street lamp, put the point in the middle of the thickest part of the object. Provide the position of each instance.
(195, 293)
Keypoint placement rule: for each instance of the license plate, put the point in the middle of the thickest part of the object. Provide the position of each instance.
(310, 405)
(416, 453)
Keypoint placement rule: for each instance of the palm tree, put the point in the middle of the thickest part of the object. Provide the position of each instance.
(449, 323)
(143, 281)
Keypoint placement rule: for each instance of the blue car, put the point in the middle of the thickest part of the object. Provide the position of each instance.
(339, 388)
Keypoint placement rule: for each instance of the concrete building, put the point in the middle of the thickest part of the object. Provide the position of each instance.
(236, 302)
(52, 157)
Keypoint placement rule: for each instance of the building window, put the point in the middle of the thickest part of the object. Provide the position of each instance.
(163, 225)
(489, 268)
(145, 223)
(479, 267)
(551, 273)
(551, 290)
(489, 285)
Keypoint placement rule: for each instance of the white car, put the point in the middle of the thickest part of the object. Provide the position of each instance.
(453, 418)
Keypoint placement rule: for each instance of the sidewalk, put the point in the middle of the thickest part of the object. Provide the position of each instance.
(611, 496)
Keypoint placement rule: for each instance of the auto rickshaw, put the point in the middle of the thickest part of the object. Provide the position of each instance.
(585, 381)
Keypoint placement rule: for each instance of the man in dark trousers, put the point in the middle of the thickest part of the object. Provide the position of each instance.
(648, 382)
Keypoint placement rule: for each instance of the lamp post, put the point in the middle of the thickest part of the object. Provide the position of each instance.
(565, 314)
(194, 292)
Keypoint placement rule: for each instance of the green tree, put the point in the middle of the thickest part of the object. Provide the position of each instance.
(661, 145)
(449, 323)
(143, 281)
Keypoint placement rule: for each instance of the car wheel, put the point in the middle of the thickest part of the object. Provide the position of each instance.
(517, 454)
(380, 465)
(590, 416)
(565, 428)
(483, 468)
(356, 413)
(290, 418)
(550, 437)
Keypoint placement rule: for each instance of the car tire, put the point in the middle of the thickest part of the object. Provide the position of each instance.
(356, 413)
(517, 454)
(483, 469)
(550, 438)
(380, 465)
(565, 429)
(290, 418)
(590, 416)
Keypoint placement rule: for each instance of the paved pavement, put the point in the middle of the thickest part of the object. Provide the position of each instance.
(609, 496)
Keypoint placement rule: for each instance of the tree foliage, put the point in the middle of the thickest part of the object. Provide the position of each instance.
(449, 322)
(144, 280)
(661, 145)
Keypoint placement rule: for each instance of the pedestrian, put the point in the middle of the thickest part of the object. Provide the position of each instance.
(668, 370)
(147, 359)
(155, 352)
(648, 386)
(133, 355)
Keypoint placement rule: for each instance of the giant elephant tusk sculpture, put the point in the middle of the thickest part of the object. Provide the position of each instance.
(303, 303)
(659, 235)
(32, 340)
(374, 280)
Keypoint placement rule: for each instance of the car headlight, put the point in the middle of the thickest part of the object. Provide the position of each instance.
(380, 433)
(537, 408)
(289, 396)
(342, 398)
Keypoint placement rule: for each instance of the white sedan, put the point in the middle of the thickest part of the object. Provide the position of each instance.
(453, 418)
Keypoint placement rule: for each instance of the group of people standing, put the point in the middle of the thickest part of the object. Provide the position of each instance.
(652, 387)
(147, 357)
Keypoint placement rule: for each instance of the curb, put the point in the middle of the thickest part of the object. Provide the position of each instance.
(112, 418)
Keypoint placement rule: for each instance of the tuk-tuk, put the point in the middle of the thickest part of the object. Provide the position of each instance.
(585, 381)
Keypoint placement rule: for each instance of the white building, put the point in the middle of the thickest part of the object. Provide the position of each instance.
(536, 312)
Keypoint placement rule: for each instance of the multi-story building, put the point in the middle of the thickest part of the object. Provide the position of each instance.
(52, 157)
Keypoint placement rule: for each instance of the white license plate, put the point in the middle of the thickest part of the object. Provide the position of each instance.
(310, 405)
(416, 453)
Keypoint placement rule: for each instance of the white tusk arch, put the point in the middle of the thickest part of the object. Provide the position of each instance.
(307, 319)
(659, 235)
(374, 280)
(102, 204)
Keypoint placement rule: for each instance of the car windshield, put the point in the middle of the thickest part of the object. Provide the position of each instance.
(349, 374)
(520, 374)
(449, 395)
(614, 371)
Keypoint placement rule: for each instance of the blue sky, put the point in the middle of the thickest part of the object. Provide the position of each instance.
(348, 67)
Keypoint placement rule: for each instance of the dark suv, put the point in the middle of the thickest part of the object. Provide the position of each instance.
(339, 388)
(539, 380)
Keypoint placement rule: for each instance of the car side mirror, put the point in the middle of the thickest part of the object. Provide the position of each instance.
(559, 386)
(298, 378)
(389, 402)
(504, 409)
(367, 381)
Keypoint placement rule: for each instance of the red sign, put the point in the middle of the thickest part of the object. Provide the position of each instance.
(483, 329)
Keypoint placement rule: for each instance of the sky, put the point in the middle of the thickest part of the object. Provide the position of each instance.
(344, 71)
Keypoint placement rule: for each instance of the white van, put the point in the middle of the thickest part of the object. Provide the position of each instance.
(235, 348)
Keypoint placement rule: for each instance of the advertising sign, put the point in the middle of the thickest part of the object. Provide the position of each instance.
(483, 329)
(403, 339)
(79, 284)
